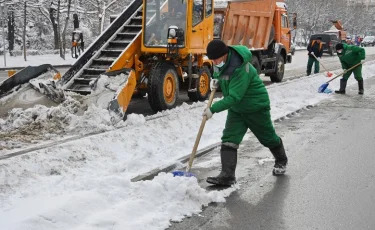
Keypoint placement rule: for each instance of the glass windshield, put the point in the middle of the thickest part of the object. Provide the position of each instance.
(171, 13)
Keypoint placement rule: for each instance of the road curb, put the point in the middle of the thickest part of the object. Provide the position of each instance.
(19, 68)
(151, 174)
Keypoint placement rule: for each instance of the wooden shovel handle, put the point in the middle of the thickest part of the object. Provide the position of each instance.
(346, 71)
(192, 156)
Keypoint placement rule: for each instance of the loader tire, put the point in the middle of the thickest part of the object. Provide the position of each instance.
(202, 86)
(278, 75)
(163, 87)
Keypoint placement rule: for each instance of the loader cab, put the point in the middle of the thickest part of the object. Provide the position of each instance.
(182, 26)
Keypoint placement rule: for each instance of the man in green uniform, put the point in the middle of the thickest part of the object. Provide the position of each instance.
(349, 56)
(248, 105)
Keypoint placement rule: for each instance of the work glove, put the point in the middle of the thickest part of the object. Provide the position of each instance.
(207, 112)
(214, 84)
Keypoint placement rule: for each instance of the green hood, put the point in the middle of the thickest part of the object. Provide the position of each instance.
(351, 55)
(242, 88)
(244, 52)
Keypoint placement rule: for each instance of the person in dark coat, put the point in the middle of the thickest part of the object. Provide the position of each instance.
(315, 47)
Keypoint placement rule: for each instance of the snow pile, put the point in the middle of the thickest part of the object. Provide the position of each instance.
(104, 203)
(40, 123)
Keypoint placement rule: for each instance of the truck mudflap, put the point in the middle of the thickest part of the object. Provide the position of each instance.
(26, 75)
(289, 58)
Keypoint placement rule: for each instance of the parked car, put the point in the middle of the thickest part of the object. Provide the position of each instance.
(329, 42)
(368, 40)
(292, 48)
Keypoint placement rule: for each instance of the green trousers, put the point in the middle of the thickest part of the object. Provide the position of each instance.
(259, 123)
(357, 73)
(310, 63)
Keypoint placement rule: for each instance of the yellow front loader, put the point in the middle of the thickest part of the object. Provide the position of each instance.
(168, 55)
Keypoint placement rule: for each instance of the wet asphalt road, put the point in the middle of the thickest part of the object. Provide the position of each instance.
(330, 182)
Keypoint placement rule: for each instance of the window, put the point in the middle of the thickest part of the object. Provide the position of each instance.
(284, 21)
(208, 8)
(197, 12)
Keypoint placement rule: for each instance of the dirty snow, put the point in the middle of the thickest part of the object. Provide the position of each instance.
(85, 184)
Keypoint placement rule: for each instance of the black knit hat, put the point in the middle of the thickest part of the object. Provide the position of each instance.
(339, 46)
(319, 38)
(216, 48)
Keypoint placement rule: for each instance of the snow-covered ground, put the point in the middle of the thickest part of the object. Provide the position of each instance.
(19, 61)
(86, 183)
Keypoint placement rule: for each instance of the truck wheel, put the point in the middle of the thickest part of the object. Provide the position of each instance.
(255, 63)
(202, 84)
(279, 74)
(163, 87)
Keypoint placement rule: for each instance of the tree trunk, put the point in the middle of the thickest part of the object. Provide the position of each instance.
(11, 32)
(100, 18)
(54, 26)
(58, 26)
(64, 31)
(24, 31)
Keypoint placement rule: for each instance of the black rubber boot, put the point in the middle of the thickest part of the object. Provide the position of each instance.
(342, 87)
(228, 167)
(281, 160)
(360, 87)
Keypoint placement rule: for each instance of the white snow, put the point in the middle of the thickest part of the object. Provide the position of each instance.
(19, 61)
(86, 183)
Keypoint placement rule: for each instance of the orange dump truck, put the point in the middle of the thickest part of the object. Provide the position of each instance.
(261, 25)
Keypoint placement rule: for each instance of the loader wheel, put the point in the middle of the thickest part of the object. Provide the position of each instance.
(163, 87)
(279, 74)
(202, 86)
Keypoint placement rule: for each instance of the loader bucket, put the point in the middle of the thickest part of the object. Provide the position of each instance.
(23, 76)
(119, 103)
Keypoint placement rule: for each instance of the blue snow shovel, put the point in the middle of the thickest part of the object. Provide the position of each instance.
(187, 172)
(323, 87)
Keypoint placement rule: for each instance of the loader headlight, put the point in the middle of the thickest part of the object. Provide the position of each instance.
(172, 31)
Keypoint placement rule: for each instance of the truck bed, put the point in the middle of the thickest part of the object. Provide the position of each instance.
(249, 23)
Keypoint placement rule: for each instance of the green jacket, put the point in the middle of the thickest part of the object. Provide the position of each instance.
(351, 55)
(243, 90)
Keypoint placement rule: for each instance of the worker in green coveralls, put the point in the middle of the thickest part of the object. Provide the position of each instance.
(349, 56)
(248, 105)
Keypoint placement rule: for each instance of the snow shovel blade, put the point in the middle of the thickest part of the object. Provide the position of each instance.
(323, 87)
(183, 173)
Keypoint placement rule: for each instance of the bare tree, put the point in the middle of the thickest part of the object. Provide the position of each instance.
(64, 31)
(24, 30)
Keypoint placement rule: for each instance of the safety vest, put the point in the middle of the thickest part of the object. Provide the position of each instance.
(320, 45)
